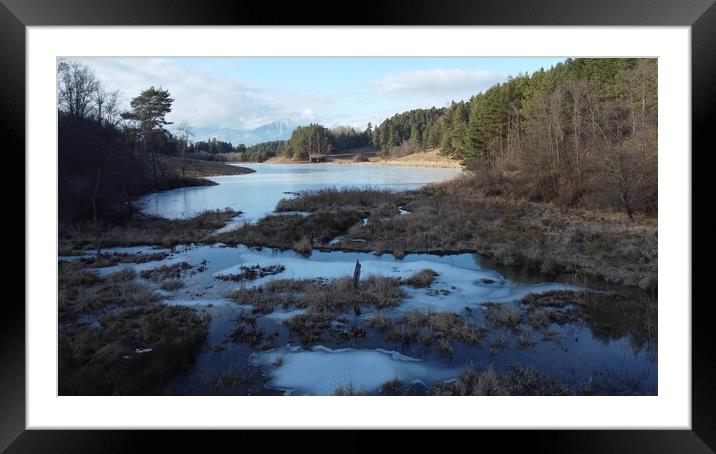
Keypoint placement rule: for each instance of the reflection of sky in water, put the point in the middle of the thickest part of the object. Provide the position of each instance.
(319, 371)
(256, 194)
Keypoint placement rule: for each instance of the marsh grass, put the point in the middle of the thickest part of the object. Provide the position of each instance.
(303, 246)
(515, 381)
(165, 272)
(421, 279)
(349, 390)
(339, 296)
(328, 302)
(144, 231)
(84, 292)
(172, 284)
(280, 293)
(249, 380)
(309, 327)
(248, 334)
(391, 388)
(429, 328)
(503, 315)
(325, 302)
(335, 199)
(105, 360)
(292, 231)
(498, 345)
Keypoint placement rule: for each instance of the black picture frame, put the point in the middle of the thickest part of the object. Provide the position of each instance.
(16, 15)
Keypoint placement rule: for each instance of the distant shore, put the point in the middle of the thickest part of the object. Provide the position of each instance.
(430, 158)
(197, 168)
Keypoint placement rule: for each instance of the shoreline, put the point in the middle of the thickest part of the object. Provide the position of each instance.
(427, 159)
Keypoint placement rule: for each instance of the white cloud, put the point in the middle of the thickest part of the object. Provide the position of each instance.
(436, 83)
(201, 99)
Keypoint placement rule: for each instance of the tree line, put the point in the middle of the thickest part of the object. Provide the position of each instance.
(312, 139)
(583, 133)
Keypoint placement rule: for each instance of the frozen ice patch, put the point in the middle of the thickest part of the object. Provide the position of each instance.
(201, 302)
(282, 315)
(320, 371)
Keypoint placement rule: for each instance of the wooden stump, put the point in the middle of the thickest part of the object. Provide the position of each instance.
(356, 274)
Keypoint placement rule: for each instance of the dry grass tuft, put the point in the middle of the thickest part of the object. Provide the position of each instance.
(421, 279)
(515, 381)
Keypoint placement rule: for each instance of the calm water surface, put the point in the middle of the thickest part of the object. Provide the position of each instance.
(256, 194)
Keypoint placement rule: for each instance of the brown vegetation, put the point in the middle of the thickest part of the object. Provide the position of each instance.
(165, 272)
(324, 301)
(358, 199)
(135, 345)
(515, 381)
(428, 328)
(172, 284)
(421, 279)
(142, 231)
(134, 352)
(247, 332)
(84, 292)
(457, 217)
(293, 231)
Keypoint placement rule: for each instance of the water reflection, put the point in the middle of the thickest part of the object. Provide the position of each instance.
(256, 194)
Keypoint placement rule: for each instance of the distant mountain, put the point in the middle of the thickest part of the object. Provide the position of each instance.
(277, 130)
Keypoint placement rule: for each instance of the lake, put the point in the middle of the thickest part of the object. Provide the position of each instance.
(256, 194)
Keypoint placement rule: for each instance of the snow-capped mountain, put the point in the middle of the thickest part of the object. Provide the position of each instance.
(277, 130)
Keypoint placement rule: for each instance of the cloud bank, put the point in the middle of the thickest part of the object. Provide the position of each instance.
(455, 83)
(204, 100)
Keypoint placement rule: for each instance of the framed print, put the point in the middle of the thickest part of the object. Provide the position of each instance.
(401, 218)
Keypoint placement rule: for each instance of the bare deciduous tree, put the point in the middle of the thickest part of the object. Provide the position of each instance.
(77, 88)
(185, 133)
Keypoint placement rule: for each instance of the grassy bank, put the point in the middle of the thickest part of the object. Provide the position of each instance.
(197, 168)
(368, 156)
(141, 231)
(456, 217)
(182, 173)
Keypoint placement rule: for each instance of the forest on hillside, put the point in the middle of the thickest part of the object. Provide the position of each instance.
(583, 133)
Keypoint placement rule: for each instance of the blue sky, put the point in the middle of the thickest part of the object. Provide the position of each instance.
(244, 93)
